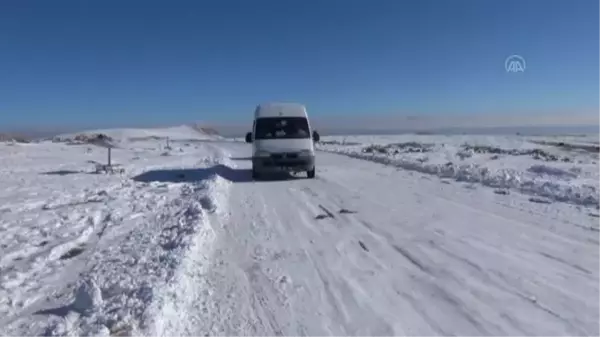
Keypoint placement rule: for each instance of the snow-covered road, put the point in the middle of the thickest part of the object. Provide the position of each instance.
(363, 249)
(370, 250)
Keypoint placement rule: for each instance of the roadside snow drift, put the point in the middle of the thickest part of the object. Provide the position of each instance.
(549, 168)
(82, 252)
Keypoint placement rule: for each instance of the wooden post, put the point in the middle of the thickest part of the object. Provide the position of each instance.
(109, 157)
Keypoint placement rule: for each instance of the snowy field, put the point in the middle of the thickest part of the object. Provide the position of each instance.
(548, 168)
(61, 224)
(398, 235)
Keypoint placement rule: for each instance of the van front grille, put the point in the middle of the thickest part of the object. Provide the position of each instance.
(285, 155)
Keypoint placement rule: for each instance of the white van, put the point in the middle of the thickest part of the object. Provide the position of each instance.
(282, 139)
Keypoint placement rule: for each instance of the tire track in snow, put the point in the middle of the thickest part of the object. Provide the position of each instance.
(425, 281)
(231, 291)
(335, 287)
(339, 277)
(486, 278)
(252, 264)
(452, 302)
(226, 293)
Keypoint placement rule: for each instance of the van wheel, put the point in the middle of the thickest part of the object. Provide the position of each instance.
(254, 174)
(311, 173)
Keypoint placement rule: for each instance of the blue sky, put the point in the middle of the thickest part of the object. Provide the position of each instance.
(111, 63)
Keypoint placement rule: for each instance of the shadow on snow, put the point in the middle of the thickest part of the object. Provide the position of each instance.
(195, 175)
(61, 172)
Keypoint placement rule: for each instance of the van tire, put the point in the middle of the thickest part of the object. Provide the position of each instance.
(254, 174)
(311, 174)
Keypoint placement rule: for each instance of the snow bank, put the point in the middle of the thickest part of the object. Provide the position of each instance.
(180, 294)
(499, 162)
(129, 275)
(84, 253)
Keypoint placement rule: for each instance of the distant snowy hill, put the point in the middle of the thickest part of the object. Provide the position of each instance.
(127, 135)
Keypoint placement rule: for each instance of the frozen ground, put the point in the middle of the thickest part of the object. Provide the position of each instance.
(61, 225)
(183, 242)
(550, 169)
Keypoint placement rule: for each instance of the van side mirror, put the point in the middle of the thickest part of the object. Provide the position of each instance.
(315, 136)
(249, 137)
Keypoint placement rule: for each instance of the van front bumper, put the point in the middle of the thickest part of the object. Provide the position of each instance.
(269, 164)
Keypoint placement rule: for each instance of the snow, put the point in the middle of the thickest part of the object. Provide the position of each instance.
(526, 164)
(125, 137)
(63, 225)
(183, 242)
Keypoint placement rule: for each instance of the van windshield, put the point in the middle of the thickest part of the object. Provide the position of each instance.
(282, 128)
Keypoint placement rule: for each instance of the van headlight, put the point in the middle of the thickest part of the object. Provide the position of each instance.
(262, 154)
(305, 153)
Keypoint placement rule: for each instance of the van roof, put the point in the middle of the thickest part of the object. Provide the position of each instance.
(276, 109)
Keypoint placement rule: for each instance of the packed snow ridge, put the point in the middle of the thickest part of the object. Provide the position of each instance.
(557, 171)
(181, 241)
(84, 252)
